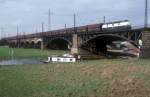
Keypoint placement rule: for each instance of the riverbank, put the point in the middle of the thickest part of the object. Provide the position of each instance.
(18, 53)
(96, 78)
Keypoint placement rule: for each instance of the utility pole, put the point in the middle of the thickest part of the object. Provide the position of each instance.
(24, 35)
(42, 27)
(42, 44)
(17, 36)
(2, 30)
(104, 19)
(17, 31)
(49, 20)
(65, 26)
(146, 13)
(65, 29)
(74, 18)
(36, 29)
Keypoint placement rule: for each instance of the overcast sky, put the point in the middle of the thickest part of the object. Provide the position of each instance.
(29, 14)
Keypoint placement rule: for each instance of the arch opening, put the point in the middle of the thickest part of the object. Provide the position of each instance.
(12, 44)
(58, 44)
(22, 44)
(110, 45)
(38, 45)
(27, 45)
(32, 44)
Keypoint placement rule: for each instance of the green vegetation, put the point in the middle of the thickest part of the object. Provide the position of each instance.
(101, 78)
(6, 53)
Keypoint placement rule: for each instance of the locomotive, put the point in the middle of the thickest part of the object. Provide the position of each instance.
(112, 26)
(120, 25)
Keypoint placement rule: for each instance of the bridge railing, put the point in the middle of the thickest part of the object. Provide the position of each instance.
(140, 26)
(66, 31)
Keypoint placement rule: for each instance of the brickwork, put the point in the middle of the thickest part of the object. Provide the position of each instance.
(145, 51)
(74, 49)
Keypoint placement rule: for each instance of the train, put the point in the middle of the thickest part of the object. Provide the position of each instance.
(120, 25)
(101, 27)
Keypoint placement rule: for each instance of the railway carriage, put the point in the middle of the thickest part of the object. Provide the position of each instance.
(120, 25)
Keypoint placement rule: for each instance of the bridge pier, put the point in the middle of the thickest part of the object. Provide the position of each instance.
(43, 45)
(145, 49)
(74, 49)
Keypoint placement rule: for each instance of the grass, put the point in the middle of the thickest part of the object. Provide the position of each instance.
(6, 53)
(97, 78)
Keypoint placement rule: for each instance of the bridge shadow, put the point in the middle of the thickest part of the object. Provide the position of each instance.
(106, 45)
(58, 44)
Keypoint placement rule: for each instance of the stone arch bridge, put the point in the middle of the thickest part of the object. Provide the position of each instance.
(91, 41)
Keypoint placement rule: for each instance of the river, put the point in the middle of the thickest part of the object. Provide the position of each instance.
(20, 62)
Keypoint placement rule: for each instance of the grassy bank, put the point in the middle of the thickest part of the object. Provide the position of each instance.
(102, 78)
(6, 53)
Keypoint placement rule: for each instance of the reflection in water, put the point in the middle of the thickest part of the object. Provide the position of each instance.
(20, 62)
(11, 53)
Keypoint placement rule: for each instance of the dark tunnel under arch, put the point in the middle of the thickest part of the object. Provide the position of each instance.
(38, 45)
(58, 44)
(98, 44)
(27, 44)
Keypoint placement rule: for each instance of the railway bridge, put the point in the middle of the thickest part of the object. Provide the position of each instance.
(83, 40)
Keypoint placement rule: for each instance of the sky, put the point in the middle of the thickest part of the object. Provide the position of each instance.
(28, 15)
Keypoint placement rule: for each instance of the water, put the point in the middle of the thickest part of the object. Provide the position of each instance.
(20, 62)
